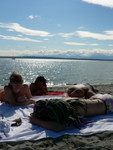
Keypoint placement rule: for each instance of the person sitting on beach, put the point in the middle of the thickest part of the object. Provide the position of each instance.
(16, 93)
(81, 90)
(39, 87)
(59, 114)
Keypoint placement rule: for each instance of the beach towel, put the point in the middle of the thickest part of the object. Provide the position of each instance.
(28, 131)
(56, 93)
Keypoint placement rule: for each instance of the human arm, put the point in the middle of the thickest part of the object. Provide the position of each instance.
(14, 101)
(33, 89)
(50, 125)
(24, 101)
(43, 90)
(69, 91)
(89, 94)
(27, 91)
(38, 89)
(25, 95)
(9, 96)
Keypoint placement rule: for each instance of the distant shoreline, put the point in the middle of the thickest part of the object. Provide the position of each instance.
(40, 57)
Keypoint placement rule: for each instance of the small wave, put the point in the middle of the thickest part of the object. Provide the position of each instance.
(55, 85)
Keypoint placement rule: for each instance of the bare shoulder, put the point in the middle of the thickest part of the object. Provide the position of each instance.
(25, 87)
(32, 85)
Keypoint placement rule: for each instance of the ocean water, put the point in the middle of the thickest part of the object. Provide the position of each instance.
(58, 71)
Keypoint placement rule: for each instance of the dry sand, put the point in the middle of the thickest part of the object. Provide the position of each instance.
(101, 141)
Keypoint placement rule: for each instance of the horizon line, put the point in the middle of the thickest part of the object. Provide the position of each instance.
(51, 57)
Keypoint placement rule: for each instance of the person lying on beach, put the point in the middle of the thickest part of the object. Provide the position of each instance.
(58, 115)
(39, 87)
(81, 91)
(16, 93)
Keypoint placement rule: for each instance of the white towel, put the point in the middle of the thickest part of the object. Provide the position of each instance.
(28, 131)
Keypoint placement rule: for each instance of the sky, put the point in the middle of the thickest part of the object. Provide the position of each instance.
(58, 28)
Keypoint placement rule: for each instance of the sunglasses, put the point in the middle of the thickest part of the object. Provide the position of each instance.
(17, 82)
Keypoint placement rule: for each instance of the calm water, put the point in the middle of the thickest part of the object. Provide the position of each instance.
(58, 71)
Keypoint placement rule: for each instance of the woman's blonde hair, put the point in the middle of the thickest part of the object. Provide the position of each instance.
(16, 78)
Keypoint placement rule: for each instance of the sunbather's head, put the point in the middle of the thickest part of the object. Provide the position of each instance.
(76, 92)
(40, 80)
(40, 110)
(16, 78)
(16, 81)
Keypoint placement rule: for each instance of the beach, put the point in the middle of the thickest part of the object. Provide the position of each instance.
(100, 141)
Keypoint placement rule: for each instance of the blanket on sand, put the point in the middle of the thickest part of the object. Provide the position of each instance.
(28, 131)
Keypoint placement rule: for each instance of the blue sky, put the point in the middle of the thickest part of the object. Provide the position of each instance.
(68, 28)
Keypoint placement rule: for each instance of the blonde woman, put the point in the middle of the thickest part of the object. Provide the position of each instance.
(16, 93)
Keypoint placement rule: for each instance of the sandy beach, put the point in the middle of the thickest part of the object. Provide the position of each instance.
(98, 141)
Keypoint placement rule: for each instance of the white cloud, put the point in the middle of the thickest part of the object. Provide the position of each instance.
(105, 3)
(107, 35)
(34, 17)
(90, 52)
(18, 38)
(55, 52)
(18, 28)
(81, 27)
(30, 17)
(86, 34)
(46, 39)
(20, 35)
(79, 44)
(109, 32)
(10, 52)
(67, 35)
(110, 45)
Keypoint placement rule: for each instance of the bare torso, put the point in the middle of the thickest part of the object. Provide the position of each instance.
(95, 107)
(92, 107)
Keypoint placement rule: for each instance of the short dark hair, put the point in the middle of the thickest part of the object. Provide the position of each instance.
(41, 79)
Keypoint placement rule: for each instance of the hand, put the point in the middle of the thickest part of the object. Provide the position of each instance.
(30, 102)
(33, 119)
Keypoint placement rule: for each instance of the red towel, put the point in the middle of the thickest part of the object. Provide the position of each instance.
(56, 93)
